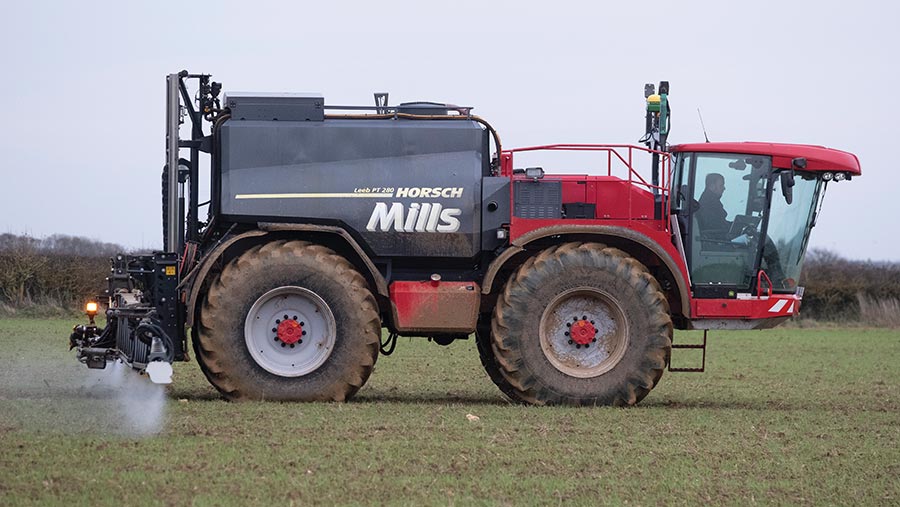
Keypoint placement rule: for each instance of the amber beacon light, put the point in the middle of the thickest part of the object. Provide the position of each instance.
(91, 310)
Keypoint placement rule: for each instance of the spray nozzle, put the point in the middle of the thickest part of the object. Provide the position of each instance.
(160, 372)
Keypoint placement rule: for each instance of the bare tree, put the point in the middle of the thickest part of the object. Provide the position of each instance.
(20, 263)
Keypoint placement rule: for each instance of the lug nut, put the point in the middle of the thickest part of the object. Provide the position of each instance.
(295, 317)
(577, 346)
(278, 321)
(567, 333)
(274, 329)
(584, 317)
(594, 340)
(283, 344)
(568, 324)
(592, 322)
(292, 345)
(302, 323)
(303, 333)
(570, 341)
(285, 317)
(276, 338)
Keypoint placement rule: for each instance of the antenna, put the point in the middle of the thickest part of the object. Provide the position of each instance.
(702, 125)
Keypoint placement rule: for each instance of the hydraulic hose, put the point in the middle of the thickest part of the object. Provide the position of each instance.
(147, 330)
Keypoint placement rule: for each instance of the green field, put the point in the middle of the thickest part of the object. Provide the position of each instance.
(787, 416)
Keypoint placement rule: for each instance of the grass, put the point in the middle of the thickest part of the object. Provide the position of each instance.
(882, 312)
(786, 416)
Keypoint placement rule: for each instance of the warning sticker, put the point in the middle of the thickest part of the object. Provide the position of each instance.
(170, 270)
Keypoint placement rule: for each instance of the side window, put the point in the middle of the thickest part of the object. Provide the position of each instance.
(680, 195)
(729, 188)
(729, 197)
(720, 193)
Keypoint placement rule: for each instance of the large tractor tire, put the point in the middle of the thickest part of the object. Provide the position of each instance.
(581, 324)
(290, 321)
(488, 361)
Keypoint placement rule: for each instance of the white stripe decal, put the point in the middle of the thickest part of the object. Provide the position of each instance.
(778, 306)
(791, 309)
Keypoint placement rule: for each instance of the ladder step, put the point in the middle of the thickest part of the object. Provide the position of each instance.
(695, 346)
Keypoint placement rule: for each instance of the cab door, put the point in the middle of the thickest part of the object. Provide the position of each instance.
(720, 202)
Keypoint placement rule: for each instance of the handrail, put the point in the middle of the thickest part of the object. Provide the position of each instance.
(759, 276)
(582, 146)
(613, 150)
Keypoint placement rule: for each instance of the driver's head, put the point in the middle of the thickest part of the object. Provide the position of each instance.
(715, 183)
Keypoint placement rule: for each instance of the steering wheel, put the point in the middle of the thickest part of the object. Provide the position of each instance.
(750, 232)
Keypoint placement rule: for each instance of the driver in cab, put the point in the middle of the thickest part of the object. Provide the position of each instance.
(711, 218)
(711, 213)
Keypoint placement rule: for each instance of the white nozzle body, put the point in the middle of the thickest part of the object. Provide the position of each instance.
(160, 372)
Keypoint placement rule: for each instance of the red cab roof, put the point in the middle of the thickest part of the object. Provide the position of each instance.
(818, 158)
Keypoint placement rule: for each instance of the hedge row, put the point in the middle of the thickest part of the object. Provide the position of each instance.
(60, 270)
(835, 286)
(67, 270)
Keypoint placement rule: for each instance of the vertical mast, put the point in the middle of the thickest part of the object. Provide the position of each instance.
(173, 122)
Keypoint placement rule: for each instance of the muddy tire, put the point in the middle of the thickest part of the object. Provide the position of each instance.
(581, 324)
(488, 361)
(290, 321)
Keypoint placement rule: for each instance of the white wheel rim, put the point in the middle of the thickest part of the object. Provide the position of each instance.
(596, 309)
(311, 315)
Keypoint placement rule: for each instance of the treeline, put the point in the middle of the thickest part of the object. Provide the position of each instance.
(842, 290)
(51, 275)
(58, 273)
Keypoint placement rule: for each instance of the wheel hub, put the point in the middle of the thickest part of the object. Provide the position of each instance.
(582, 332)
(290, 331)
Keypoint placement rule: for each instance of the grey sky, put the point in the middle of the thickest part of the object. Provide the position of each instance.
(82, 142)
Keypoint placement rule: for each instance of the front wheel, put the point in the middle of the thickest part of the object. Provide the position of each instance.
(288, 320)
(581, 324)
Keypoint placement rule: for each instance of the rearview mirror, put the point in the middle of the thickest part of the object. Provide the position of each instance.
(787, 186)
(738, 164)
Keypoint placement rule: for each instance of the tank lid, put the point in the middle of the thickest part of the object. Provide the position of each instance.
(424, 108)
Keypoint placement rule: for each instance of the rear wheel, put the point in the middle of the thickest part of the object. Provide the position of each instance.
(488, 361)
(581, 324)
(288, 320)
